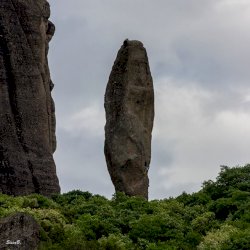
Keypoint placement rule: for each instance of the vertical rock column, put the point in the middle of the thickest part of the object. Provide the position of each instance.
(129, 106)
(27, 118)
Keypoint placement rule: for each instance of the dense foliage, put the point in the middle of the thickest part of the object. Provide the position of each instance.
(217, 217)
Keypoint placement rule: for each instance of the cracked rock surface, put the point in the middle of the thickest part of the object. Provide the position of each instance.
(27, 114)
(129, 106)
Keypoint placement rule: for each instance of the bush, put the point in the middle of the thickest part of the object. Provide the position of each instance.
(216, 217)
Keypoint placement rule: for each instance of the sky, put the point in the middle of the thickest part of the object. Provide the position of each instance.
(199, 56)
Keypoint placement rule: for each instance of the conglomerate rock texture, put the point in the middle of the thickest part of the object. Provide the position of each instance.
(129, 105)
(19, 231)
(27, 115)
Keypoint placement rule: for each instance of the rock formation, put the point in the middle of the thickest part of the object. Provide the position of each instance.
(27, 115)
(129, 106)
(19, 231)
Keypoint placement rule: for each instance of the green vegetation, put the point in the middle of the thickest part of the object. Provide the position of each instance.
(217, 217)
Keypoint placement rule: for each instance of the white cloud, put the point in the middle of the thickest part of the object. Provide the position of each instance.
(233, 3)
(199, 57)
(199, 141)
(88, 121)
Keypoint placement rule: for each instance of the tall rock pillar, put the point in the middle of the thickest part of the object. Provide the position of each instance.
(129, 106)
(27, 115)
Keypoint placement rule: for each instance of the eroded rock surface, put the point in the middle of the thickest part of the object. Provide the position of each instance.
(129, 105)
(27, 115)
(19, 231)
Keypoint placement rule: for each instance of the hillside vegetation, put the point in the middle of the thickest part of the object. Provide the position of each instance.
(217, 217)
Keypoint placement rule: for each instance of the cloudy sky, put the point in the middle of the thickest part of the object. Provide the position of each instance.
(199, 54)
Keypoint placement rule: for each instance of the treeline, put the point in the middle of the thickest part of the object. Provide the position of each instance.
(217, 217)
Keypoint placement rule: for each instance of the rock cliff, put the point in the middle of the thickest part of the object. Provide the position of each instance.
(19, 231)
(27, 115)
(129, 106)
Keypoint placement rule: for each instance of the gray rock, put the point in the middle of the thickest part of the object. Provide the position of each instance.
(19, 231)
(129, 106)
(27, 113)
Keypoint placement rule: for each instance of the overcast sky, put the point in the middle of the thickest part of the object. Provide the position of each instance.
(199, 55)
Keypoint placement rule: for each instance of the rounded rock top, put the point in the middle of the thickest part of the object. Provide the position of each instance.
(134, 43)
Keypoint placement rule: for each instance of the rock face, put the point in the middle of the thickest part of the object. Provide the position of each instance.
(129, 106)
(27, 115)
(19, 231)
